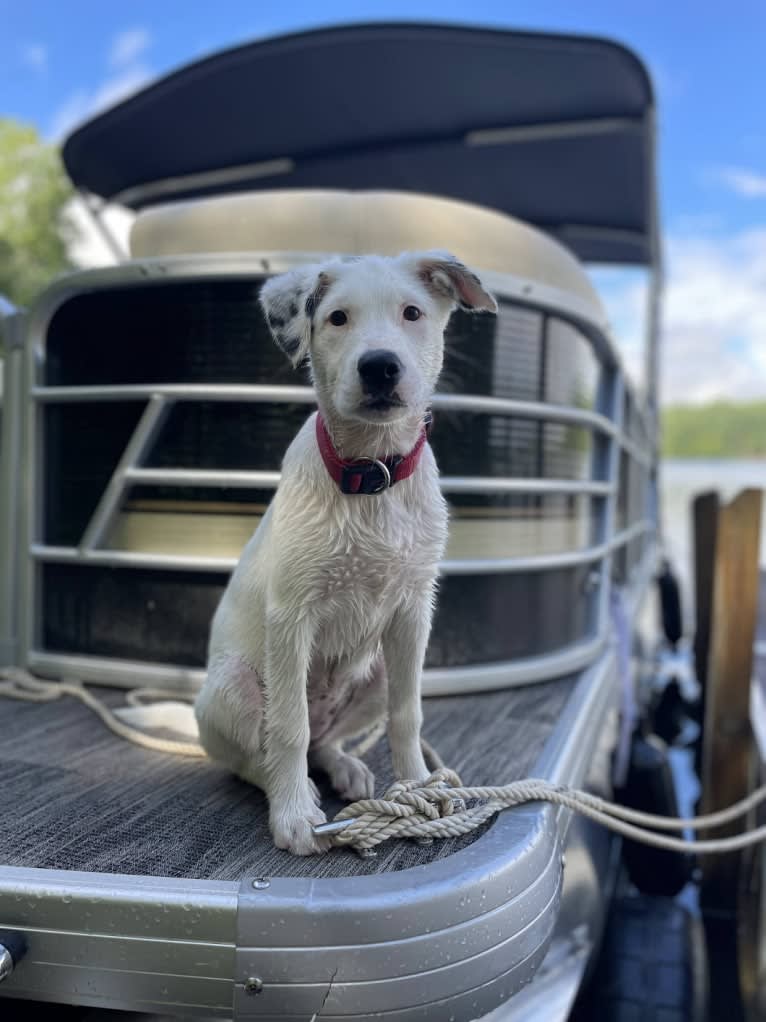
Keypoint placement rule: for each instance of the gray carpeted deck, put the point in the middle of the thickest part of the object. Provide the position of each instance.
(73, 796)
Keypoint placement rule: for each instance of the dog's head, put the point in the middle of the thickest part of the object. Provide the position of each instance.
(372, 327)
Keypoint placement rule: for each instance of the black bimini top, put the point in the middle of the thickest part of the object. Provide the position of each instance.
(557, 130)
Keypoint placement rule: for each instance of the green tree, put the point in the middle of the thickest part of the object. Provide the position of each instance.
(33, 230)
(719, 429)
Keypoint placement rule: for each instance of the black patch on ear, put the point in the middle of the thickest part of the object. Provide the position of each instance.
(311, 305)
(293, 310)
(290, 345)
(276, 322)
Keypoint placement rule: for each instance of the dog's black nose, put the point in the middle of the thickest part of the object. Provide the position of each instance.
(380, 371)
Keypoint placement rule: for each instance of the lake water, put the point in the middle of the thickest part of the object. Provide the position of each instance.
(682, 480)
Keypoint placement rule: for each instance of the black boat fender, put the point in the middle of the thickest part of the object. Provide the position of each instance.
(670, 604)
(650, 787)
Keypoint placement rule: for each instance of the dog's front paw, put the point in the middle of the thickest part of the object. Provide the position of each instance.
(293, 832)
(352, 778)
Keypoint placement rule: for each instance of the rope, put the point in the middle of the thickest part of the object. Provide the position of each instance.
(436, 808)
(19, 684)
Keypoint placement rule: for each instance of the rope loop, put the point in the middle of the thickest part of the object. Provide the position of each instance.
(16, 683)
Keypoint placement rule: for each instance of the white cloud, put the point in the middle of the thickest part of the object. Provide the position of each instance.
(35, 56)
(714, 323)
(82, 104)
(128, 46)
(747, 183)
(713, 342)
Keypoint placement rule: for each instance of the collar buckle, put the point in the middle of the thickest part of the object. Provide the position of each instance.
(369, 475)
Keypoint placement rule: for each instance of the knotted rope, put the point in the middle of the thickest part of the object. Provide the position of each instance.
(436, 808)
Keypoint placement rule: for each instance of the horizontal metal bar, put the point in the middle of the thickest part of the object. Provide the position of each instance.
(540, 410)
(203, 477)
(436, 681)
(478, 566)
(543, 562)
(273, 392)
(128, 559)
(445, 681)
(257, 392)
(484, 405)
(449, 484)
(114, 671)
(518, 565)
(532, 487)
(265, 393)
(262, 393)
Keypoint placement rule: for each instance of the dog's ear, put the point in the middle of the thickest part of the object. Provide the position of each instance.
(447, 277)
(289, 302)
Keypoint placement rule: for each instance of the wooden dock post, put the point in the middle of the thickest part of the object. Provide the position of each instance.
(727, 544)
(727, 736)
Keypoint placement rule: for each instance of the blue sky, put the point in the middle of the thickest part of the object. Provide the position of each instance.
(707, 59)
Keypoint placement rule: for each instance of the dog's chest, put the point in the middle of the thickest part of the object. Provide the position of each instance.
(371, 562)
(367, 557)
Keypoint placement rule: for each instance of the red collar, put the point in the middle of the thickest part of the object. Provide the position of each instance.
(368, 475)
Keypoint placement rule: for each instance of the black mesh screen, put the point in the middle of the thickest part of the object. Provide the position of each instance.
(203, 331)
(132, 614)
(164, 616)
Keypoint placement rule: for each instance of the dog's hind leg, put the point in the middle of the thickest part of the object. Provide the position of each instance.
(229, 712)
(349, 775)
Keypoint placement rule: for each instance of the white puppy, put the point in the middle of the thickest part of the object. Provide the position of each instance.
(323, 627)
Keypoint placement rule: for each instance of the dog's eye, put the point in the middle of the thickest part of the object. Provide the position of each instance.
(338, 317)
(412, 312)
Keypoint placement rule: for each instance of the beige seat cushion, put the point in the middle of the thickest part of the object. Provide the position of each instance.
(356, 223)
